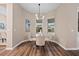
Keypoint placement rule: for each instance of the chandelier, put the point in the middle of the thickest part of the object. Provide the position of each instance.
(38, 15)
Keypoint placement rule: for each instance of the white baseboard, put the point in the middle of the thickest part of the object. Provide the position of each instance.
(47, 40)
(65, 47)
(16, 45)
(59, 44)
(9, 49)
(19, 43)
(72, 49)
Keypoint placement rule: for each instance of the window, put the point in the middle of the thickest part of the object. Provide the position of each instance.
(51, 25)
(38, 25)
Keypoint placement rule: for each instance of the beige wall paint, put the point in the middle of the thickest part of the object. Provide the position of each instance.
(18, 29)
(3, 17)
(9, 25)
(19, 16)
(66, 25)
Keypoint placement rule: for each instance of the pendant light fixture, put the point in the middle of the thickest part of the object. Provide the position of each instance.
(38, 16)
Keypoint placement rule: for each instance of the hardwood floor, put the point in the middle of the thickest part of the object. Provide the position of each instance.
(2, 47)
(29, 49)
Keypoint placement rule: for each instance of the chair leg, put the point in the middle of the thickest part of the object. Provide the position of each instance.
(37, 46)
(2, 40)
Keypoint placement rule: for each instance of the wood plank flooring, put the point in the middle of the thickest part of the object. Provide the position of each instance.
(30, 49)
(2, 47)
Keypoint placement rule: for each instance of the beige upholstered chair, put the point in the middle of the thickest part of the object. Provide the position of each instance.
(40, 39)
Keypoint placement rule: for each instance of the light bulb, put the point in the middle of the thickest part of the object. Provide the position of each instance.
(36, 16)
(43, 17)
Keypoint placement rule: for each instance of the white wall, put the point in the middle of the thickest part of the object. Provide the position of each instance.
(66, 25)
(18, 26)
(19, 16)
(9, 18)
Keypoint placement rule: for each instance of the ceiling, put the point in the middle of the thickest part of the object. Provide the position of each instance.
(44, 7)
